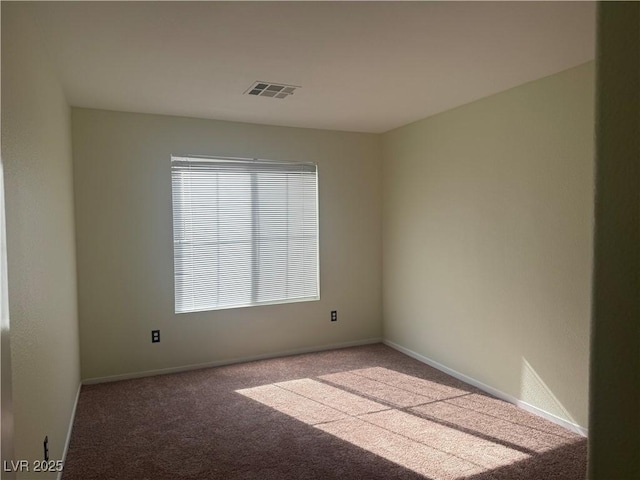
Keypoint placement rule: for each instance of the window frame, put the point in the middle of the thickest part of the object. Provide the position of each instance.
(253, 204)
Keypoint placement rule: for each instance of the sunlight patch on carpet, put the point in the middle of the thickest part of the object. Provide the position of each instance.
(336, 398)
(494, 419)
(425, 388)
(465, 446)
(398, 397)
(435, 430)
(396, 448)
(294, 405)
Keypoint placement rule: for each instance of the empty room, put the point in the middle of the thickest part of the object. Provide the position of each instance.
(320, 240)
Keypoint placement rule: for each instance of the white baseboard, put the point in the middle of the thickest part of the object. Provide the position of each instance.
(68, 439)
(219, 363)
(486, 388)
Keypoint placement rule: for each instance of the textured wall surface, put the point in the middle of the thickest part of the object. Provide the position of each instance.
(36, 153)
(487, 235)
(125, 242)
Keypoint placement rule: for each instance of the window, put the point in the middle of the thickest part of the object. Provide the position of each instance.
(245, 232)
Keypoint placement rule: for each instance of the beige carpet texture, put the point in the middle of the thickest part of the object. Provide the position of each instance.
(356, 413)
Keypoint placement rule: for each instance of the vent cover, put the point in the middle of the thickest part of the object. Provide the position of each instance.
(274, 90)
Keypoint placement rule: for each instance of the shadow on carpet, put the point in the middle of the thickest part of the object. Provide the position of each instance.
(357, 413)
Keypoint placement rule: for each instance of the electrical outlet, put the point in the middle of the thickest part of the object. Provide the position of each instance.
(155, 336)
(334, 315)
(46, 448)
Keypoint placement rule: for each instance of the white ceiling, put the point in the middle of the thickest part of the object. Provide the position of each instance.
(362, 66)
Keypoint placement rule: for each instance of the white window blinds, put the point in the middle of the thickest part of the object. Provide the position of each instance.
(245, 233)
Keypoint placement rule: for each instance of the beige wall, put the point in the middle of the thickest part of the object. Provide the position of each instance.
(125, 249)
(36, 153)
(487, 240)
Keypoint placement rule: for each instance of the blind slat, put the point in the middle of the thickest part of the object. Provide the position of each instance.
(245, 233)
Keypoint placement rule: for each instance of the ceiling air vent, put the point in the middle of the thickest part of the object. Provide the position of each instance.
(274, 90)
